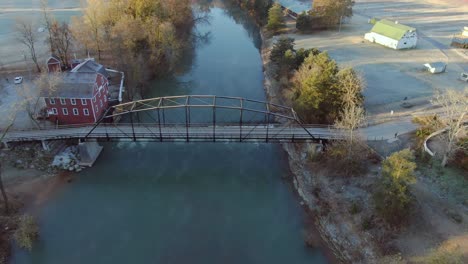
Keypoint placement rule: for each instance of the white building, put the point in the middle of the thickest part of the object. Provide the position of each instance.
(393, 35)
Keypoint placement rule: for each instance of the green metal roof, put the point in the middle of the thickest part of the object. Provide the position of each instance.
(390, 29)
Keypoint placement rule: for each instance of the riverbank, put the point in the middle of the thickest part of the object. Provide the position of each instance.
(29, 181)
(318, 192)
(342, 208)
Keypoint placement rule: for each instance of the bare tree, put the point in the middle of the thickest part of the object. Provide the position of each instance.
(352, 117)
(352, 85)
(48, 83)
(93, 22)
(2, 189)
(43, 87)
(349, 154)
(61, 38)
(11, 121)
(48, 21)
(455, 108)
(28, 36)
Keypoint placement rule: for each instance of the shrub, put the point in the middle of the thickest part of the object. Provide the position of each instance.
(319, 86)
(428, 125)
(258, 8)
(367, 223)
(27, 232)
(331, 12)
(302, 54)
(286, 57)
(460, 158)
(279, 49)
(347, 158)
(303, 22)
(355, 208)
(392, 198)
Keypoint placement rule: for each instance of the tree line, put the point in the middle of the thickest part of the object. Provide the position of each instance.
(143, 37)
(256, 8)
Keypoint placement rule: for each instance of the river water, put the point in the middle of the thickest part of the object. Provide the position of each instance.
(183, 202)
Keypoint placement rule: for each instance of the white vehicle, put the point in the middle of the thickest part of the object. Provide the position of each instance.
(464, 76)
(18, 80)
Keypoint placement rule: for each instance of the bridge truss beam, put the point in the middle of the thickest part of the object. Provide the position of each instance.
(253, 116)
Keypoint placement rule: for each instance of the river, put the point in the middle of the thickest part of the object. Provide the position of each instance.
(183, 202)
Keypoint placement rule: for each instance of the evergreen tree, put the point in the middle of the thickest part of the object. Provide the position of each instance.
(303, 22)
(332, 12)
(392, 199)
(275, 17)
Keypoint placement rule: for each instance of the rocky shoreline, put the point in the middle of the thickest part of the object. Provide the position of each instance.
(336, 232)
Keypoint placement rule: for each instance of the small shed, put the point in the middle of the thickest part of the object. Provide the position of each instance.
(54, 64)
(435, 67)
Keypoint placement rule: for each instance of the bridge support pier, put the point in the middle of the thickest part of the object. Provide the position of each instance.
(89, 152)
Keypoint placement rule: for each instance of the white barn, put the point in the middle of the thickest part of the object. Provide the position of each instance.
(393, 35)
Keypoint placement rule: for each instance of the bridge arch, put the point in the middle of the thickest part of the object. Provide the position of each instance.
(245, 114)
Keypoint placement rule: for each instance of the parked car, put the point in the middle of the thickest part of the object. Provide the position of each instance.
(18, 80)
(464, 76)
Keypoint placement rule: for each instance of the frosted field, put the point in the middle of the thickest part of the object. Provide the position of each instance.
(394, 75)
(11, 51)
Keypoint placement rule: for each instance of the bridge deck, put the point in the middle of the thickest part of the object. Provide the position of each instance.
(274, 133)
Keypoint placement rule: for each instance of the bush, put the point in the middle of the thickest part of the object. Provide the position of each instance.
(392, 198)
(460, 159)
(319, 86)
(330, 13)
(302, 54)
(347, 158)
(258, 8)
(286, 57)
(303, 22)
(355, 208)
(367, 223)
(428, 125)
(279, 49)
(27, 232)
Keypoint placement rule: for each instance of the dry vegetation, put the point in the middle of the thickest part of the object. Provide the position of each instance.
(430, 223)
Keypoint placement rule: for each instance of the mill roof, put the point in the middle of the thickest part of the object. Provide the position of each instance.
(90, 66)
(74, 85)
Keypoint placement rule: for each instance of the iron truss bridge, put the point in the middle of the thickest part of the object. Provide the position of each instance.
(205, 118)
